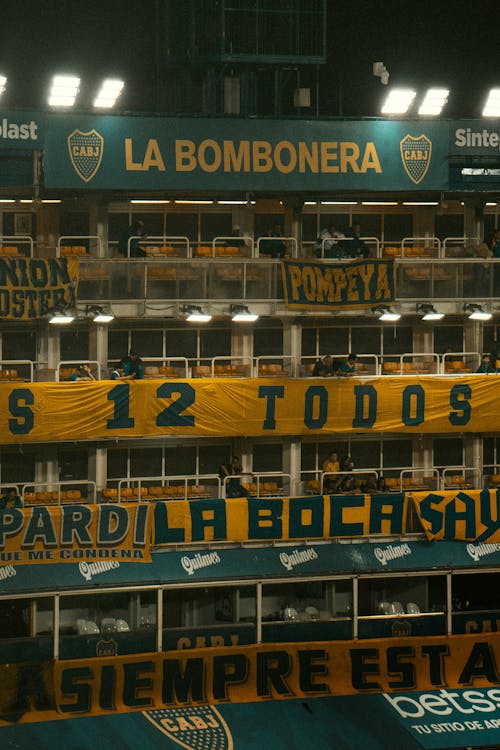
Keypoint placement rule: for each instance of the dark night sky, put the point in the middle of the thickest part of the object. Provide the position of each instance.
(422, 43)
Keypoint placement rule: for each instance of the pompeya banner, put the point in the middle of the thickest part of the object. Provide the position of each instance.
(115, 684)
(32, 287)
(106, 533)
(314, 285)
(48, 412)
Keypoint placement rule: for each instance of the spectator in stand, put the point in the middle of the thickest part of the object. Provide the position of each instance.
(355, 244)
(238, 240)
(323, 367)
(234, 488)
(10, 499)
(486, 366)
(370, 487)
(276, 248)
(117, 373)
(83, 373)
(133, 366)
(327, 244)
(482, 251)
(134, 233)
(331, 466)
(348, 368)
(495, 244)
(347, 464)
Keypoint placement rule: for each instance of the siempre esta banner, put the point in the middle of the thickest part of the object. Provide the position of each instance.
(40, 412)
(76, 533)
(63, 689)
(315, 285)
(31, 287)
(466, 515)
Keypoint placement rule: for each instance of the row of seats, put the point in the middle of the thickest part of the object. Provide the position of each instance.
(157, 492)
(206, 251)
(9, 375)
(49, 498)
(68, 251)
(162, 371)
(408, 252)
(265, 489)
(10, 250)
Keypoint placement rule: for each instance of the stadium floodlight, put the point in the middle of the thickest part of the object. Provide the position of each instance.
(398, 101)
(241, 314)
(492, 106)
(99, 314)
(386, 314)
(429, 312)
(434, 102)
(63, 91)
(476, 312)
(61, 318)
(3, 83)
(109, 92)
(194, 314)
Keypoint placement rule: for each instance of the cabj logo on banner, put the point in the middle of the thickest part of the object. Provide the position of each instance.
(416, 156)
(32, 287)
(85, 152)
(315, 285)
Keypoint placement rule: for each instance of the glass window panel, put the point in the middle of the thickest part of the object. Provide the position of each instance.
(215, 225)
(341, 222)
(309, 342)
(488, 451)
(397, 226)
(308, 453)
(147, 343)
(309, 227)
(74, 344)
(448, 339)
(449, 225)
(476, 592)
(380, 596)
(211, 457)
(264, 222)
(17, 467)
(183, 225)
(145, 462)
(371, 224)
(181, 342)
(448, 451)
(267, 341)
(73, 464)
(214, 605)
(180, 460)
(19, 344)
(117, 225)
(365, 454)
(267, 457)
(397, 339)
(117, 463)
(334, 341)
(112, 612)
(215, 342)
(118, 345)
(366, 340)
(153, 223)
(397, 453)
(309, 600)
(73, 223)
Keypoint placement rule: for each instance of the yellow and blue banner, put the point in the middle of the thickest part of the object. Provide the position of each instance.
(32, 287)
(463, 514)
(311, 284)
(104, 535)
(253, 407)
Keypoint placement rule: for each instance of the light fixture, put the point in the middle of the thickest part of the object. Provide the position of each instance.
(232, 203)
(434, 101)
(492, 106)
(429, 312)
(241, 314)
(64, 91)
(398, 101)
(339, 203)
(476, 312)
(194, 203)
(148, 201)
(386, 314)
(61, 318)
(194, 314)
(98, 314)
(420, 203)
(3, 83)
(109, 92)
(379, 203)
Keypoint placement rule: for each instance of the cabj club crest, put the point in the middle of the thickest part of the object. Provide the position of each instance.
(416, 156)
(85, 152)
(192, 727)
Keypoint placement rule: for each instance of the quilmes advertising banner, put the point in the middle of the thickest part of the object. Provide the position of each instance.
(312, 285)
(82, 410)
(148, 153)
(31, 287)
(74, 533)
(43, 691)
(468, 515)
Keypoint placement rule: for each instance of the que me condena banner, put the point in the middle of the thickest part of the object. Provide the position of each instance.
(39, 412)
(32, 287)
(358, 283)
(466, 515)
(50, 690)
(75, 533)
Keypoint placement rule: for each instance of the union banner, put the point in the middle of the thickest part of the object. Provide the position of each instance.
(32, 287)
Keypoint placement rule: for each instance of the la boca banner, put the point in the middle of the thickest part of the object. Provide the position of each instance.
(107, 534)
(115, 684)
(225, 407)
(32, 287)
(314, 285)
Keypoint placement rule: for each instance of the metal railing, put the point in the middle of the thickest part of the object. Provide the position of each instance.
(90, 243)
(12, 243)
(56, 493)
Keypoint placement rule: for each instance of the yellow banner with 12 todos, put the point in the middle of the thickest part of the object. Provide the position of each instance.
(39, 412)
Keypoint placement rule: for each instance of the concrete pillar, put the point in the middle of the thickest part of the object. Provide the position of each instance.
(98, 346)
(98, 226)
(473, 219)
(292, 346)
(292, 464)
(98, 467)
(48, 354)
(47, 229)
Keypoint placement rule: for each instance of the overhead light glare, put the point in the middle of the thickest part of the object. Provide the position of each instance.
(476, 312)
(3, 83)
(194, 203)
(232, 203)
(339, 203)
(386, 314)
(429, 312)
(194, 314)
(241, 314)
(61, 318)
(63, 91)
(98, 314)
(7, 200)
(420, 203)
(434, 101)
(492, 106)
(149, 202)
(108, 93)
(51, 200)
(379, 203)
(490, 204)
(398, 101)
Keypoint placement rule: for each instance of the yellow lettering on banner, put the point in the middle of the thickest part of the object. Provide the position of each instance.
(262, 161)
(153, 157)
(349, 155)
(370, 158)
(209, 145)
(340, 280)
(329, 154)
(292, 157)
(309, 283)
(383, 288)
(295, 280)
(352, 290)
(185, 160)
(130, 165)
(324, 285)
(366, 272)
(309, 157)
(235, 160)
